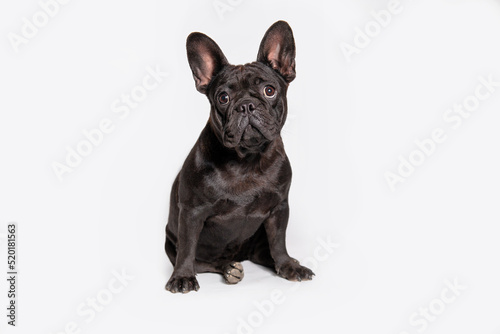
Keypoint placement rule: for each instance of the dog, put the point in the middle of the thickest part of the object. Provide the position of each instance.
(229, 202)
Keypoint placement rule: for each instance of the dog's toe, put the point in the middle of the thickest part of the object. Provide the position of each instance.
(233, 273)
(293, 271)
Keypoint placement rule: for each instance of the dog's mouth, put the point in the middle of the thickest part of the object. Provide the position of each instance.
(251, 132)
(249, 137)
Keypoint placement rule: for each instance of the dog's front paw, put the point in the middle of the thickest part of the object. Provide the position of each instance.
(293, 271)
(182, 284)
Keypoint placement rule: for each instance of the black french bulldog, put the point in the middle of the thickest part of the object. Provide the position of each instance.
(229, 202)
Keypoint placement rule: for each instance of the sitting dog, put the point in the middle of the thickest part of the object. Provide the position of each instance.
(229, 202)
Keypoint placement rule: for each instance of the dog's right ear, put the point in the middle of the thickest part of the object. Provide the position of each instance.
(205, 59)
(277, 50)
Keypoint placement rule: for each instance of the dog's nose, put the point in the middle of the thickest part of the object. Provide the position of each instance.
(246, 108)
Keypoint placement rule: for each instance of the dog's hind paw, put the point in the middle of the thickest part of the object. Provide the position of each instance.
(233, 273)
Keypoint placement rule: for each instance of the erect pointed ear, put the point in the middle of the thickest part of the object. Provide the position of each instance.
(205, 59)
(277, 50)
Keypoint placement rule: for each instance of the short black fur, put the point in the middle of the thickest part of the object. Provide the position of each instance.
(229, 202)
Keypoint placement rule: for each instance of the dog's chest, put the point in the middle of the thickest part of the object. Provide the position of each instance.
(248, 185)
(246, 195)
(240, 216)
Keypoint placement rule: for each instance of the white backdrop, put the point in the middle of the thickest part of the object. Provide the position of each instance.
(392, 136)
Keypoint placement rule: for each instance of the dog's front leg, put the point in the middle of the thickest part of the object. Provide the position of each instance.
(190, 225)
(286, 266)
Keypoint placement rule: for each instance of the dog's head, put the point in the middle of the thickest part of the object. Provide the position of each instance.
(248, 102)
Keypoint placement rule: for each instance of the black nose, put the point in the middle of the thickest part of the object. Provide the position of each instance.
(245, 107)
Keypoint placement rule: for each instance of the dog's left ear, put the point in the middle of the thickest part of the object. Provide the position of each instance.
(205, 58)
(277, 50)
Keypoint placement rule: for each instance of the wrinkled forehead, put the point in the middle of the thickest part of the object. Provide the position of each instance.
(236, 77)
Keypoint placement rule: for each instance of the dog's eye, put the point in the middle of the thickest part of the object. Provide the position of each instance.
(269, 91)
(223, 98)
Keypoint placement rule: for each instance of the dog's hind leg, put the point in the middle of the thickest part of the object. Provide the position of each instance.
(260, 252)
(232, 271)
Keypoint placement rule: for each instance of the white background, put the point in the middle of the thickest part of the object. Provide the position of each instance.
(349, 122)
